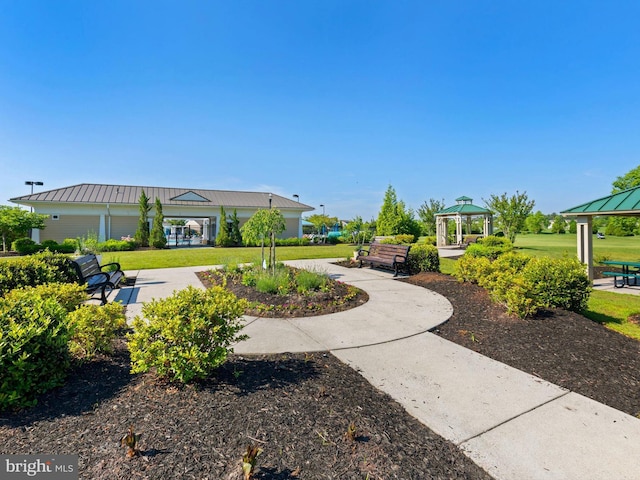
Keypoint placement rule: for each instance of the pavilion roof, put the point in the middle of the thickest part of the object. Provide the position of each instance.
(626, 202)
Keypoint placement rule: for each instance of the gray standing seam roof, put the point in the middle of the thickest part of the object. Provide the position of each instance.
(127, 195)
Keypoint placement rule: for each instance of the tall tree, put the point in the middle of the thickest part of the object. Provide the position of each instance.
(223, 239)
(511, 212)
(628, 180)
(536, 222)
(157, 237)
(234, 234)
(387, 221)
(427, 214)
(142, 233)
(16, 222)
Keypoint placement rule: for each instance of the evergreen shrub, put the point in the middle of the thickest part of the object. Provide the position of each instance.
(423, 258)
(187, 335)
(491, 247)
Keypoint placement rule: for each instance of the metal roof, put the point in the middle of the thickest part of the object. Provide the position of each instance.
(626, 202)
(90, 193)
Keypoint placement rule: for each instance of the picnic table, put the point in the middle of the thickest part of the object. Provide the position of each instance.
(629, 276)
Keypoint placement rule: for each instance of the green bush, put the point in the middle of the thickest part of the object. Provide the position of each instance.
(291, 242)
(188, 335)
(112, 245)
(428, 240)
(24, 246)
(471, 269)
(526, 284)
(38, 269)
(34, 355)
(93, 328)
(491, 247)
(423, 258)
(403, 239)
(69, 295)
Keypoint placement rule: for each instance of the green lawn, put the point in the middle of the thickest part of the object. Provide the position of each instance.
(554, 245)
(205, 256)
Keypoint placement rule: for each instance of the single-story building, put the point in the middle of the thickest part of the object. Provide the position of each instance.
(111, 211)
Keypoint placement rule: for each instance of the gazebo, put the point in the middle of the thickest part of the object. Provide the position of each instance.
(624, 204)
(462, 212)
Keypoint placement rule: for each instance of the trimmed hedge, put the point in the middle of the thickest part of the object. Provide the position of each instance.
(491, 247)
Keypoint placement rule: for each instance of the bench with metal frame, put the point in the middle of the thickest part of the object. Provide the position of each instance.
(385, 255)
(92, 274)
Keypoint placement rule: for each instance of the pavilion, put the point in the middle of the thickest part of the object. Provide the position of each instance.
(625, 204)
(462, 212)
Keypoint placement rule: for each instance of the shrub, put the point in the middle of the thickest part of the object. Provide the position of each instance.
(69, 295)
(94, 327)
(429, 240)
(112, 245)
(188, 335)
(471, 269)
(24, 246)
(491, 247)
(34, 355)
(290, 242)
(525, 284)
(35, 270)
(423, 258)
(403, 239)
(88, 243)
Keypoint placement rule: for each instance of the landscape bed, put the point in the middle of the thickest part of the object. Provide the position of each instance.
(298, 407)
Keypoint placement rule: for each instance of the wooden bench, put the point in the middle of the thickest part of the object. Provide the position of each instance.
(625, 278)
(386, 255)
(91, 274)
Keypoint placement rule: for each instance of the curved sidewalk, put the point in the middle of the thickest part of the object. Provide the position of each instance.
(514, 425)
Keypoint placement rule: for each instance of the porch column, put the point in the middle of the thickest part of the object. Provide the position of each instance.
(488, 225)
(585, 243)
(102, 229)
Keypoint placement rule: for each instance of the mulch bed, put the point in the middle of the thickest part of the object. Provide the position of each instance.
(298, 407)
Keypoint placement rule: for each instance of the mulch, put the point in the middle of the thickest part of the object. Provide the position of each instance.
(298, 407)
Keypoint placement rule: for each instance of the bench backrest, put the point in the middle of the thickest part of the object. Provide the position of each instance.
(387, 250)
(86, 266)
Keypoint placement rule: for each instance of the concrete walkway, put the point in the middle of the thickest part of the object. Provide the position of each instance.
(514, 425)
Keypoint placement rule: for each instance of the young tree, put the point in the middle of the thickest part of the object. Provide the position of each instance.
(536, 222)
(157, 238)
(223, 239)
(264, 224)
(235, 235)
(16, 222)
(511, 212)
(394, 218)
(427, 214)
(559, 224)
(142, 233)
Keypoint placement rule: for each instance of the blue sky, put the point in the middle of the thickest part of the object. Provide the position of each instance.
(330, 100)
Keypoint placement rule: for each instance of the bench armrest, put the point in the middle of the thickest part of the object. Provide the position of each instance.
(109, 264)
(362, 252)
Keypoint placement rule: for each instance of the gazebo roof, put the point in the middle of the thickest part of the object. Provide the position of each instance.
(626, 202)
(464, 207)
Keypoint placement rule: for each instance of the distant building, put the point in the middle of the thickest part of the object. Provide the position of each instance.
(111, 211)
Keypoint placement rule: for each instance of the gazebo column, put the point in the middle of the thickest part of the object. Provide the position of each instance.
(441, 231)
(458, 229)
(585, 243)
(488, 225)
